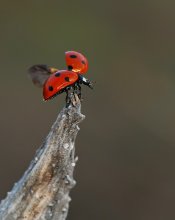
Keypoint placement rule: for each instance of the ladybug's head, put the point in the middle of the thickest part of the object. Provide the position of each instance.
(76, 62)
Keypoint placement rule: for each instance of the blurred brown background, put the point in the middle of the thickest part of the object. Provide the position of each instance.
(126, 145)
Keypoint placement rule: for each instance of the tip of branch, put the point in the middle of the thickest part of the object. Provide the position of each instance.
(74, 108)
(74, 100)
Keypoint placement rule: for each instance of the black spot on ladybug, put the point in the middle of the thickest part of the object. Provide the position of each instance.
(83, 62)
(73, 56)
(57, 74)
(50, 88)
(67, 79)
(70, 67)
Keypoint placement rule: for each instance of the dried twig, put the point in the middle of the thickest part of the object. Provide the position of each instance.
(43, 191)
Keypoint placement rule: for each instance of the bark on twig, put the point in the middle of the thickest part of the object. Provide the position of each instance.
(43, 191)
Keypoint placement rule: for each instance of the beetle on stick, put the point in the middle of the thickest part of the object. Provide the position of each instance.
(55, 82)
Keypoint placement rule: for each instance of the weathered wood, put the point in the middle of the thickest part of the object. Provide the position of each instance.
(43, 191)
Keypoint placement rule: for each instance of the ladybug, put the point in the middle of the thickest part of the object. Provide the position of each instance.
(55, 82)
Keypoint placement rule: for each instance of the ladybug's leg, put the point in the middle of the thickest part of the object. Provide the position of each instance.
(67, 96)
(77, 90)
(79, 94)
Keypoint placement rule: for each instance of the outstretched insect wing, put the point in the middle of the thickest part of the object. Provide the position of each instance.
(40, 73)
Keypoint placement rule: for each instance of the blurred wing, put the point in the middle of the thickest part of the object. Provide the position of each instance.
(40, 73)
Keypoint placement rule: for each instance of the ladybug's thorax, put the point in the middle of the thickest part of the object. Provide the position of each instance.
(82, 79)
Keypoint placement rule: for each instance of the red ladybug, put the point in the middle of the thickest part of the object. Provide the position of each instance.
(56, 81)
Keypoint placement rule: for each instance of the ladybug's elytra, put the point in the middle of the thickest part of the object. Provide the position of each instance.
(56, 81)
(76, 62)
